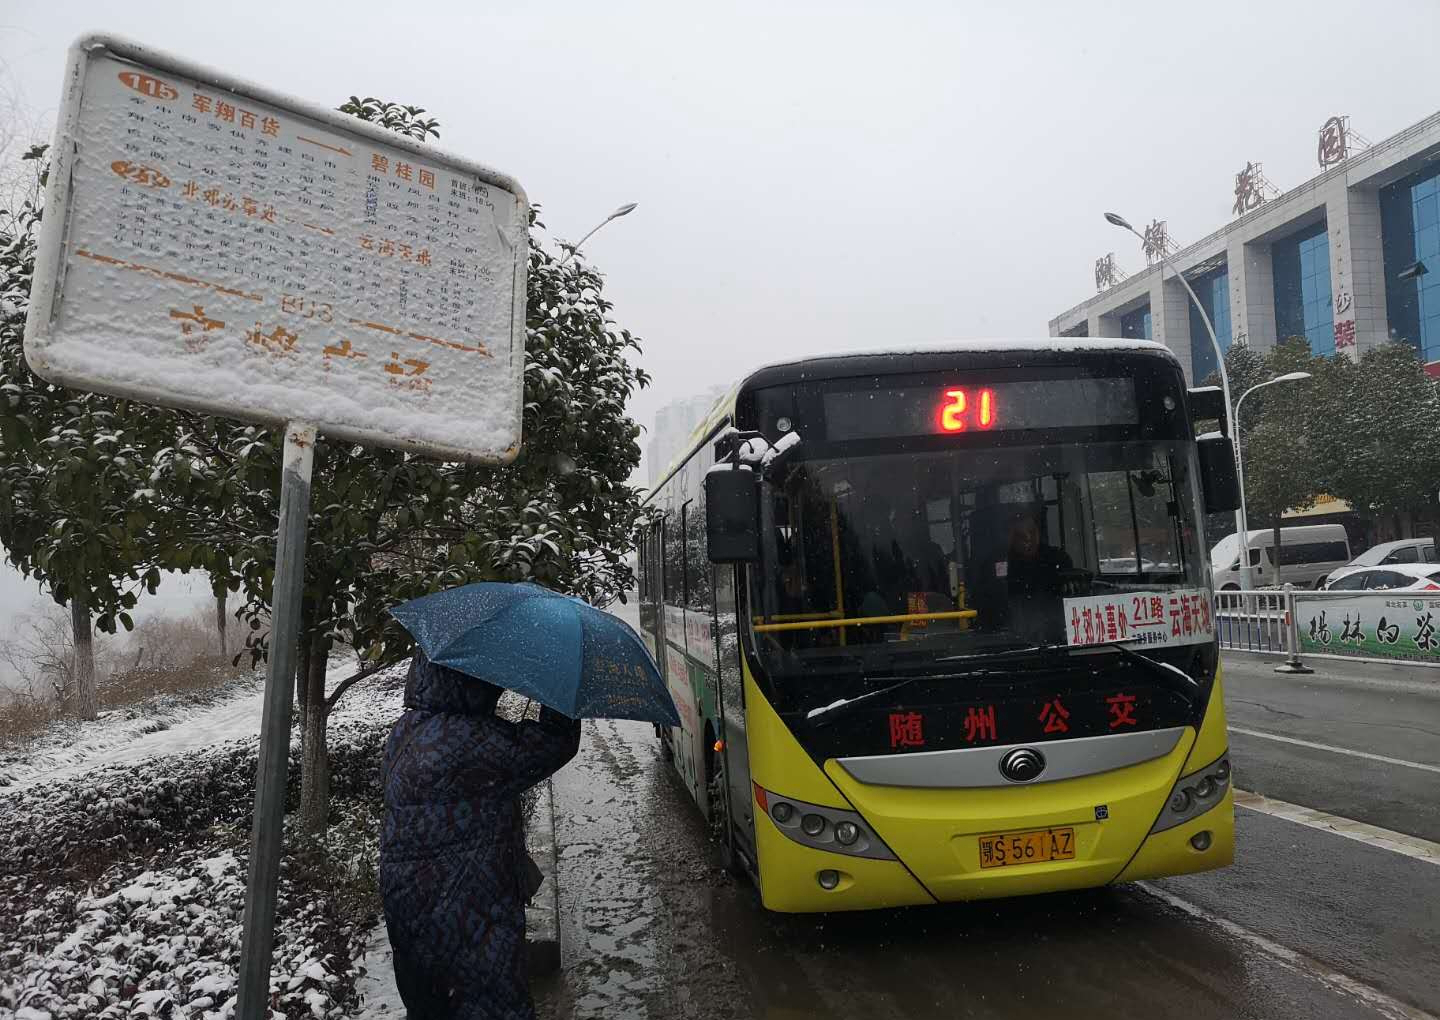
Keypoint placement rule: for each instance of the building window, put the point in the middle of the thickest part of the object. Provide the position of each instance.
(1302, 288)
(1213, 290)
(1083, 329)
(1410, 224)
(1136, 325)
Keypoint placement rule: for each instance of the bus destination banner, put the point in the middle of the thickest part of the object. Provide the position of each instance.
(1371, 627)
(1180, 617)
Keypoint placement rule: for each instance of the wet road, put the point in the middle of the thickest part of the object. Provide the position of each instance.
(1308, 923)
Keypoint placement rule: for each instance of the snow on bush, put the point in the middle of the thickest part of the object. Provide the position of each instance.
(123, 889)
(166, 943)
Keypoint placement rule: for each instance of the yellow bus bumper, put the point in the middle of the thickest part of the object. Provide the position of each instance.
(935, 833)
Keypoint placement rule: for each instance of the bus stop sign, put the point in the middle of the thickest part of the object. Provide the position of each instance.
(211, 245)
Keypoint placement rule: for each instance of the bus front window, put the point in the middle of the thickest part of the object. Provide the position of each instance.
(880, 560)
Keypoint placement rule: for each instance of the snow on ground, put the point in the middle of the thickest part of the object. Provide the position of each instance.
(122, 867)
(160, 727)
(157, 728)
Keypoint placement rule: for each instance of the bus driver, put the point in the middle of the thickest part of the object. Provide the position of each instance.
(1034, 577)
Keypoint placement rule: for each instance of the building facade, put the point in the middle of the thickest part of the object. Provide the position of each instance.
(1349, 260)
(673, 424)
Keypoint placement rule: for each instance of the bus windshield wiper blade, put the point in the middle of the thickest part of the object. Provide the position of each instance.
(1168, 674)
(1172, 676)
(1002, 653)
(846, 704)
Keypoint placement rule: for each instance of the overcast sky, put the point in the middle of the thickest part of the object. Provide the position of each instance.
(817, 177)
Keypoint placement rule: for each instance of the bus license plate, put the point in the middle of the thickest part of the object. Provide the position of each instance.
(1004, 848)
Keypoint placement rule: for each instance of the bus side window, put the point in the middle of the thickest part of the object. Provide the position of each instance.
(673, 551)
(640, 565)
(697, 563)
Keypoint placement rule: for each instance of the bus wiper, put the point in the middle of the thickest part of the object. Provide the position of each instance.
(1172, 677)
(1169, 676)
(846, 704)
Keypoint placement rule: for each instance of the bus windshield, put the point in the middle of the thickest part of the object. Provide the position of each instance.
(893, 560)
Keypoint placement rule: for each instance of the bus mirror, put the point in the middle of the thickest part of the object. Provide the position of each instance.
(732, 515)
(1217, 473)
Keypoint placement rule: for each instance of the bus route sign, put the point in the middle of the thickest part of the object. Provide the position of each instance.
(1183, 616)
(211, 245)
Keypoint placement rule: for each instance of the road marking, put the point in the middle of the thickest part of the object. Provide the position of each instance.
(1336, 750)
(1371, 835)
(1295, 961)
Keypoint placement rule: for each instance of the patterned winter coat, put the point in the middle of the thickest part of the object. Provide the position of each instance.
(453, 844)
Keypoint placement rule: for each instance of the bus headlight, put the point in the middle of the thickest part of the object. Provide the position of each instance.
(1195, 794)
(822, 828)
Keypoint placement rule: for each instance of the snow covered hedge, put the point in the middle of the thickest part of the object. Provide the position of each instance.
(123, 889)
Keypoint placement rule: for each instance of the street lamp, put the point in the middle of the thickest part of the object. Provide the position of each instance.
(1240, 468)
(1117, 220)
(624, 210)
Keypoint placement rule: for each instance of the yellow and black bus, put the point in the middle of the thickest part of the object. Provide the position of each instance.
(939, 627)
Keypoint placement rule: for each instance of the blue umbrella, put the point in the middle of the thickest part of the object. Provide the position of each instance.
(544, 645)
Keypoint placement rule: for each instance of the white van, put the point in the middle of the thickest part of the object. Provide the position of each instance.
(1308, 554)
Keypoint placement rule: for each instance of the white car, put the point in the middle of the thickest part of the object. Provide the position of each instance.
(1405, 550)
(1391, 577)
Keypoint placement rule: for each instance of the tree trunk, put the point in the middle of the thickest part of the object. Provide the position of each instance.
(302, 665)
(1275, 553)
(220, 620)
(85, 699)
(314, 754)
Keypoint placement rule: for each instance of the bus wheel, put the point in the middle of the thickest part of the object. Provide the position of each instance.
(667, 753)
(717, 812)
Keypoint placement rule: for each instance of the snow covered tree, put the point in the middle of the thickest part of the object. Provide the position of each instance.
(1374, 423)
(1281, 468)
(71, 464)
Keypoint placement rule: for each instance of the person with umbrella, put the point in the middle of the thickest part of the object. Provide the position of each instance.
(453, 875)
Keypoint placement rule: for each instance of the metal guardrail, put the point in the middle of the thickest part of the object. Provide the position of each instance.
(1271, 621)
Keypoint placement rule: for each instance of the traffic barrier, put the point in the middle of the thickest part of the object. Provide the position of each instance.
(1401, 627)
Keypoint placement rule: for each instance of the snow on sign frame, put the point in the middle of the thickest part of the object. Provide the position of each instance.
(209, 244)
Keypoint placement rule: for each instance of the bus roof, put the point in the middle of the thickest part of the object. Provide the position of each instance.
(931, 355)
(835, 362)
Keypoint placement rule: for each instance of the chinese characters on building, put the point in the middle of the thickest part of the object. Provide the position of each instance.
(1251, 189)
(1156, 242)
(1107, 273)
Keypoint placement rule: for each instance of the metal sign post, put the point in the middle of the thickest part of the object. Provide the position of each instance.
(258, 938)
(212, 245)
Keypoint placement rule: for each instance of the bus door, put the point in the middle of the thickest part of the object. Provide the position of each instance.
(730, 696)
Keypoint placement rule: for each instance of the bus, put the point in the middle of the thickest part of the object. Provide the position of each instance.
(938, 623)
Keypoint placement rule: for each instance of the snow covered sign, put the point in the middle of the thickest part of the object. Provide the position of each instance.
(212, 245)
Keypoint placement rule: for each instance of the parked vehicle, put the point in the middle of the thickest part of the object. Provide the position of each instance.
(1394, 577)
(1405, 550)
(1308, 554)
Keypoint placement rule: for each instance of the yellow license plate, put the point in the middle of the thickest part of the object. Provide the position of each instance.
(1006, 848)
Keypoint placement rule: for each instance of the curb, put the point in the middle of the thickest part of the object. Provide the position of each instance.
(542, 915)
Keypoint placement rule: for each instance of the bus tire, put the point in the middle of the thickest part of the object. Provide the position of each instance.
(717, 812)
(667, 753)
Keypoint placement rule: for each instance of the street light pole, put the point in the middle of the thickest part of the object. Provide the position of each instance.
(1241, 524)
(1240, 463)
(624, 210)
